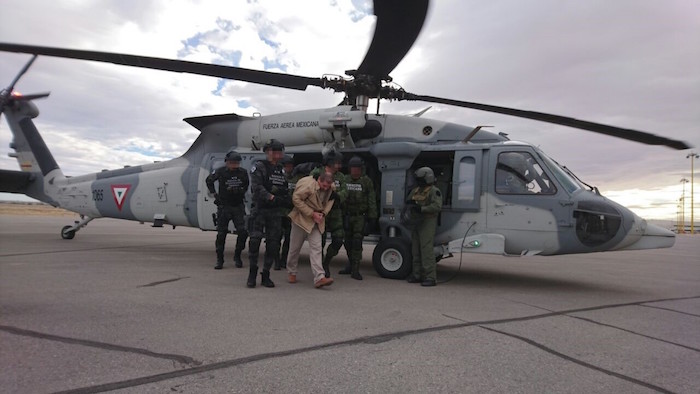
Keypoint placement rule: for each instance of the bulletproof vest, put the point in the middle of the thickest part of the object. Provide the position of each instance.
(232, 185)
(422, 195)
(357, 194)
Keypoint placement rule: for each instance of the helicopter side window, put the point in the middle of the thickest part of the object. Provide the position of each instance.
(467, 179)
(520, 173)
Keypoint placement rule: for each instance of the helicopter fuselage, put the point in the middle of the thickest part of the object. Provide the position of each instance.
(500, 196)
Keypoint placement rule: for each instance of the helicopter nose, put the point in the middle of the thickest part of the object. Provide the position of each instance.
(652, 236)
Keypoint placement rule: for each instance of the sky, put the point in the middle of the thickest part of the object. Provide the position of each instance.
(628, 63)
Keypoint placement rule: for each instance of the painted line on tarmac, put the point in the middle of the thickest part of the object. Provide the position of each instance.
(101, 248)
(373, 339)
(580, 362)
(164, 281)
(101, 345)
(669, 309)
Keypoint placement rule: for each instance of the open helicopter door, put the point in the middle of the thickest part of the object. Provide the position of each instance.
(206, 209)
(524, 202)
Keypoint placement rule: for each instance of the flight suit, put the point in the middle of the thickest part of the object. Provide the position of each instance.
(427, 201)
(286, 223)
(334, 219)
(266, 179)
(361, 213)
(230, 202)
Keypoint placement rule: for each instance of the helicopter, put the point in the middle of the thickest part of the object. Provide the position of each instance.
(500, 196)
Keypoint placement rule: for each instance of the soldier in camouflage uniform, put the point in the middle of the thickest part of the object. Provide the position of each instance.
(269, 188)
(425, 202)
(361, 214)
(288, 166)
(332, 163)
(233, 184)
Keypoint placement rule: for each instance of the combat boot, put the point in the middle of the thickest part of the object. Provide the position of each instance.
(326, 269)
(219, 260)
(266, 279)
(237, 259)
(355, 274)
(252, 275)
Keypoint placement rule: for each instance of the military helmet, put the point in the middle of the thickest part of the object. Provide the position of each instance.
(332, 157)
(274, 145)
(233, 156)
(355, 161)
(425, 174)
(286, 159)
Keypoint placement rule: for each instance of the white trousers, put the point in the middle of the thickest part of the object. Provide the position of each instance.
(296, 241)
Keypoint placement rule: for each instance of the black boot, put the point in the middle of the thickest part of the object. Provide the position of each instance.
(219, 260)
(266, 279)
(326, 269)
(237, 259)
(355, 274)
(252, 275)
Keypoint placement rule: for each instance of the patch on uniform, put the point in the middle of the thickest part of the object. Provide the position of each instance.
(437, 193)
(252, 169)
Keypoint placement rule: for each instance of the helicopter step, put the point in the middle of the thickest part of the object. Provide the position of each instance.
(68, 232)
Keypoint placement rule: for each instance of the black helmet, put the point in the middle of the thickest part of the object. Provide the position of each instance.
(426, 175)
(233, 156)
(332, 157)
(274, 145)
(356, 161)
(286, 159)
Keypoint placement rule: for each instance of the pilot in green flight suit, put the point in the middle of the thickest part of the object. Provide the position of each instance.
(426, 202)
(361, 211)
(333, 162)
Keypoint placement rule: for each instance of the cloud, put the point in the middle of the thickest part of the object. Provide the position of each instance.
(630, 63)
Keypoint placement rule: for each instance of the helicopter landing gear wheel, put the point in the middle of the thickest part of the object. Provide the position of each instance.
(67, 232)
(392, 258)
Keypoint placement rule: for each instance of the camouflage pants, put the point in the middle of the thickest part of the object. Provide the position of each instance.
(334, 225)
(354, 233)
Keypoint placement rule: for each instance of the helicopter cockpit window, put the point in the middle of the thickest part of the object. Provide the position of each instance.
(467, 179)
(520, 173)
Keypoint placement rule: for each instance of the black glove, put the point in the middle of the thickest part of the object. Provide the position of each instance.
(217, 202)
(333, 196)
(415, 209)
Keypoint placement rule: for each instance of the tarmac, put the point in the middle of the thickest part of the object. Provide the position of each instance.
(128, 308)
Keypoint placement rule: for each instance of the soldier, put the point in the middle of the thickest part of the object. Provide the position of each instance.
(332, 163)
(233, 184)
(288, 166)
(269, 188)
(361, 214)
(425, 202)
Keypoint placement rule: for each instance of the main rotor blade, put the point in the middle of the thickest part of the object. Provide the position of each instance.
(628, 134)
(19, 75)
(213, 70)
(398, 25)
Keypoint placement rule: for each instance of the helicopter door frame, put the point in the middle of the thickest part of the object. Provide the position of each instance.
(466, 180)
(205, 203)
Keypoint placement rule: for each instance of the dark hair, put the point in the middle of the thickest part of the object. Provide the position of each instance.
(325, 177)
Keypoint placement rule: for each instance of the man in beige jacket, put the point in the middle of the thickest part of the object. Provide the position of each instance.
(313, 199)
